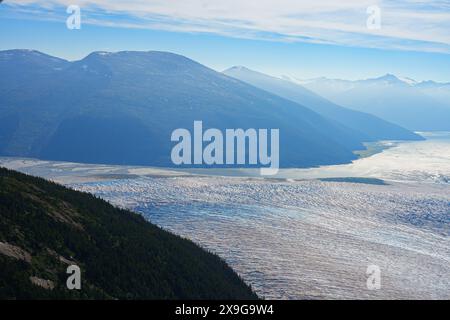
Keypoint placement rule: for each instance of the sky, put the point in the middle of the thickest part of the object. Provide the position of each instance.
(346, 39)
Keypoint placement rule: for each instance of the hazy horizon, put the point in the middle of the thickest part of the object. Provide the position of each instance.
(282, 76)
(330, 40)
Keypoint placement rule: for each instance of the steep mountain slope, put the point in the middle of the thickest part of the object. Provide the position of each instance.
(17, 66)
(45, 227)
(122, 107)
(365, 126)
(400, 101)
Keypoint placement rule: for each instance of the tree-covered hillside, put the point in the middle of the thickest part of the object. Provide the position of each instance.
(45, 227)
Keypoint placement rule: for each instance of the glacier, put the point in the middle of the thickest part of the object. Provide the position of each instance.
(294, 236)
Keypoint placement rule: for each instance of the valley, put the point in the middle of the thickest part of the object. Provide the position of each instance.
(305, 233)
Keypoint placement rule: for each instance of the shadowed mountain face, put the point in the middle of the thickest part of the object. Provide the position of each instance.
(365, 126)
(121, 108)
(418, 106)
(45, 227)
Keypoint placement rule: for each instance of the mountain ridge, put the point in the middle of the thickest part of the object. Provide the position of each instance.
(382, 77)
(365, 126)
(120, 108)
(417, 106)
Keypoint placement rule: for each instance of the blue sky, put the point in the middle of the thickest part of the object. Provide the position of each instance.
(300, 39)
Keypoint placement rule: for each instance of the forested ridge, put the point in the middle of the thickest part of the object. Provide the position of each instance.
(45, 227)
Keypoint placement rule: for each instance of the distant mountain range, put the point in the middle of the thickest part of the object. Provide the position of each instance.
(364, 126)
(418, 106)
(121, 108)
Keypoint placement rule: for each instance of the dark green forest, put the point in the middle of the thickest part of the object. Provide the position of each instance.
(45, 227)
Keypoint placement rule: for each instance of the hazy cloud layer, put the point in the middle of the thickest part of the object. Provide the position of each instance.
(405, 24)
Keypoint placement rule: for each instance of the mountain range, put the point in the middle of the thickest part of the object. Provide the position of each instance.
(364, 126)
(121, 108)
(418, 106)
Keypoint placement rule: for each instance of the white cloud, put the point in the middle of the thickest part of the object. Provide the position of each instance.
(405, 24)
